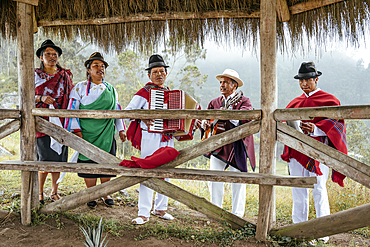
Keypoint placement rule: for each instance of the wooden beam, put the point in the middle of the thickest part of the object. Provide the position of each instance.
(266, 211)
(142, 114)
(31, 2)
(138, 17)
(9, 113)
(26, 84)
(310, 5)
(342, 163)
(335, 112)
(79, 198)
(66, 138)
(9, 128)
(282, 10)
(177, 173)
(215, 142)
(339, 222)
(195, 202)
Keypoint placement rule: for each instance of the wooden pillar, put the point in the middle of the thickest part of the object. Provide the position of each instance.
(26, 83)
(266, 212)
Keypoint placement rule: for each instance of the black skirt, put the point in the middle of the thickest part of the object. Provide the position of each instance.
(88, 175)
(45, 153)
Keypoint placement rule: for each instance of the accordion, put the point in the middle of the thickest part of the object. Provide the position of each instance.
(182, 129)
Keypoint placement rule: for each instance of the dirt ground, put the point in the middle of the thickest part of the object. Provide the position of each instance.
(65, 232)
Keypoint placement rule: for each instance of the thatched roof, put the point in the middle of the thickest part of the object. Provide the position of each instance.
(119, 23)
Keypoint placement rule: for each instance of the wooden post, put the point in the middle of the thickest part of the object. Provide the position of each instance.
(26, 81)
(266, 212)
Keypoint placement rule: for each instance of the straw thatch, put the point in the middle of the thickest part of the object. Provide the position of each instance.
(142, 23)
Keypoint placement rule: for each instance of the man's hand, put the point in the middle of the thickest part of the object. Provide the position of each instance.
(79, 134)
(206, 125)
(308, 127)
(198, 124)
(122, 135)
(148, 122)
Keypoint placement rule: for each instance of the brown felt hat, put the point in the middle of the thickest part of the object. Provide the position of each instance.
(96, 56)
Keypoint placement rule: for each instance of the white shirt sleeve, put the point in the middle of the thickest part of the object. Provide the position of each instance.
(136, 103)
(234, 122)
(317, 132)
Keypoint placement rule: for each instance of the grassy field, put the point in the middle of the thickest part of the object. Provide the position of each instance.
(352, 195)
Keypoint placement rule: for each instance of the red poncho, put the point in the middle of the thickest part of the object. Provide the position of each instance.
(334, 129)
(63, 76)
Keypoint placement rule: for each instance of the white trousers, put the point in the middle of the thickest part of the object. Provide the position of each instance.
(150, 143)
(217, 189)
(300, 195)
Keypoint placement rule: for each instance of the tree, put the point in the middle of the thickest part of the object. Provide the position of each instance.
(358, 139)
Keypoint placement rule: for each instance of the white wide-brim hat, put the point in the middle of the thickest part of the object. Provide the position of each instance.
(231, 74)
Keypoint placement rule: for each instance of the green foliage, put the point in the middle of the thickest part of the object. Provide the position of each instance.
(358, 140)
(94, 236)
(197, 232)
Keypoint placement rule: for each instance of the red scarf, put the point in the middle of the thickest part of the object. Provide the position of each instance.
(334, 129)
(62, 76)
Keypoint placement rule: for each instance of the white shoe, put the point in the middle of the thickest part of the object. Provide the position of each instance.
(139, 221)
(323, 240)
(166, 216)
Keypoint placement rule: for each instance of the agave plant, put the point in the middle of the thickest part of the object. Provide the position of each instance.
(93, 236)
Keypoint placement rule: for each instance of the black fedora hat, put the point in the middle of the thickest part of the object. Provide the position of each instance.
(96, 56)
(48, 43)
(307, 71)
(156, 61)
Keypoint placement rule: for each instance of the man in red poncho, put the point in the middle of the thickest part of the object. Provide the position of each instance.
(331, 132)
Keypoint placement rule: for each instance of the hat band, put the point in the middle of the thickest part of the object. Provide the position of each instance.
(309, 74)
(157, 64)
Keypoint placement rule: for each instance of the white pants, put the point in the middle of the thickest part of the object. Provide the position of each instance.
(217, 189)
(150, 143)
(300, 195)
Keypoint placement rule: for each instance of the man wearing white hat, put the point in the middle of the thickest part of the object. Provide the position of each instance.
(233, 155)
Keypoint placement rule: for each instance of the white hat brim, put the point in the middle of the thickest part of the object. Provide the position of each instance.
(239, 81)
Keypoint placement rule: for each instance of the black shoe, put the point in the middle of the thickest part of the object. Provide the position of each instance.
(108, 202)
(92, 204)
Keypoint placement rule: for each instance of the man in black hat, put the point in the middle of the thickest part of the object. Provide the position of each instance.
(147, 142)
(331, 132)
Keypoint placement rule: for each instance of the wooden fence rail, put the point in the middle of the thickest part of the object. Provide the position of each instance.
(339, 222)
(9, 113)
(342, 163)
(177, 173)
(143, 114)
(9, 128)
(335, 112)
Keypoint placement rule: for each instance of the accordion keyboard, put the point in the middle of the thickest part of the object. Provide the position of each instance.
(157, 102)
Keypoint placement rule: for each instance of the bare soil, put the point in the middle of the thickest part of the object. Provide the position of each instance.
(63, 232)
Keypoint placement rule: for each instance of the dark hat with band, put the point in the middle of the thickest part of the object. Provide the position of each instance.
(156, 61)
(307, 71)
(48, 43)
(95, 56)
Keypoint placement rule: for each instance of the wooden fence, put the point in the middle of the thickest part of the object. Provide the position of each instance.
(108, 164)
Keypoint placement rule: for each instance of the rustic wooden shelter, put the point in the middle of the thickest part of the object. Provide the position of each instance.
(114, 24)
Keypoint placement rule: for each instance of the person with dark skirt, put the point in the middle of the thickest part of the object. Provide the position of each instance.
(95, 94)
(53, 85)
